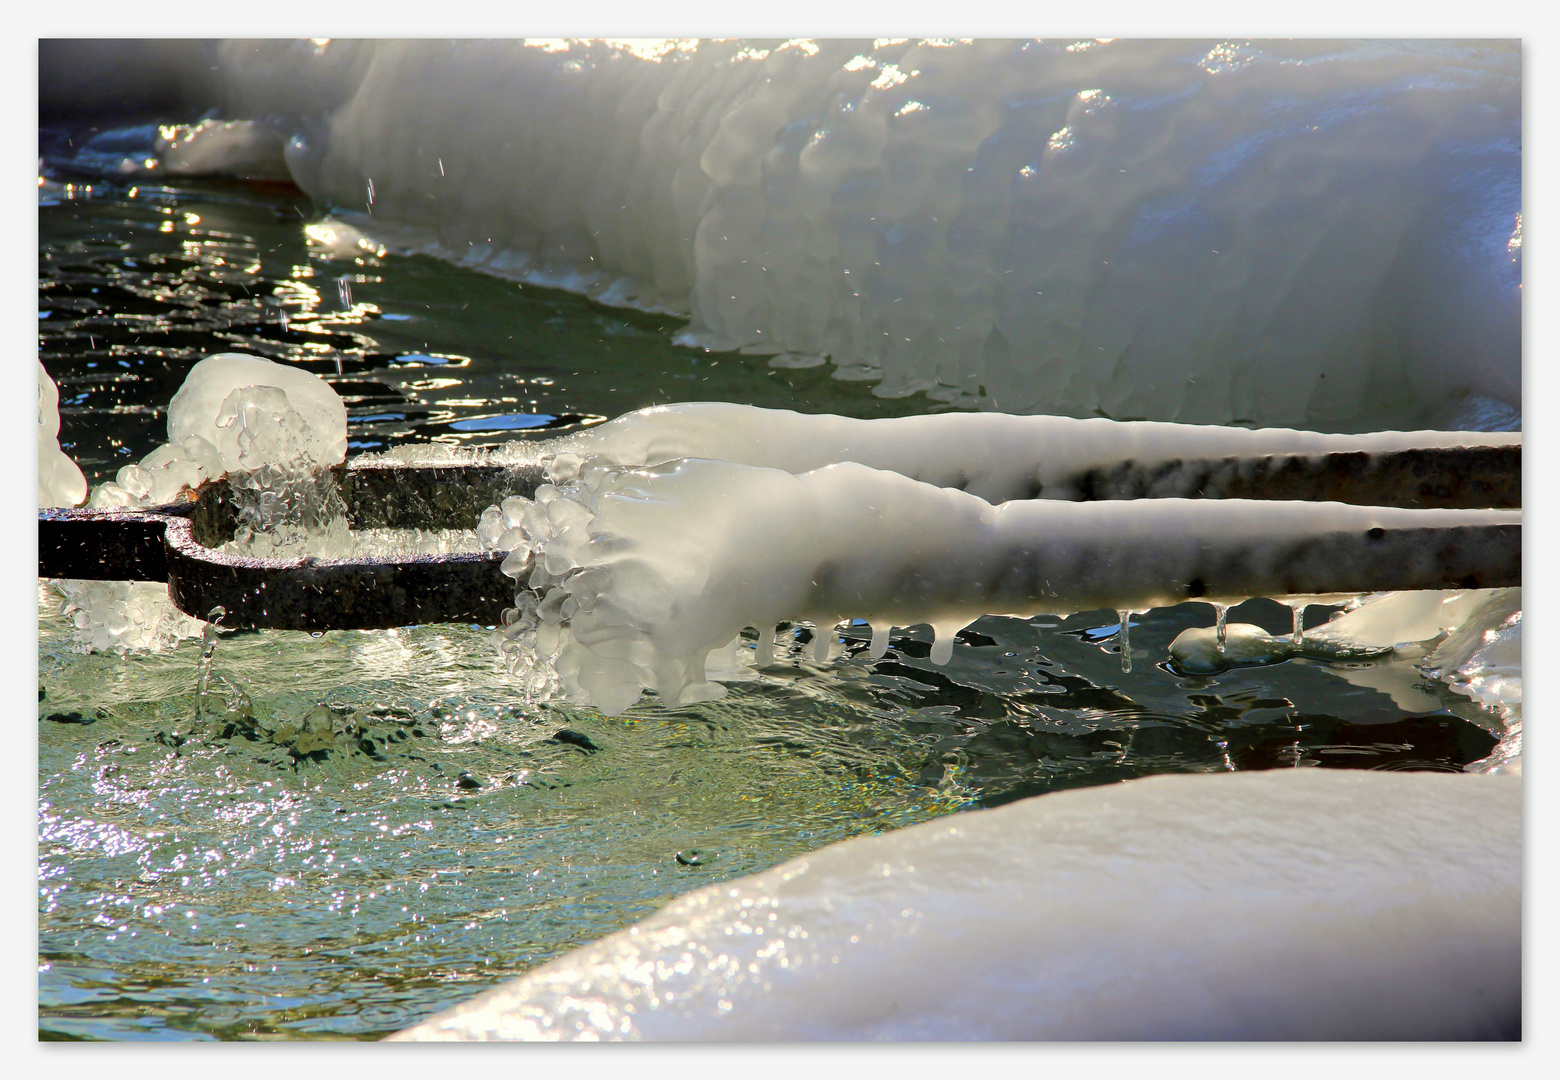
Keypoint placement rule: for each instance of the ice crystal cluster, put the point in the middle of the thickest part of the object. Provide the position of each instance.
(272, 430)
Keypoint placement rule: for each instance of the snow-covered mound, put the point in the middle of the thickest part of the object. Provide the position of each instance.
(1295, 904)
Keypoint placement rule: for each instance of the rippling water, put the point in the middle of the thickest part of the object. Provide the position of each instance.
(361, 828)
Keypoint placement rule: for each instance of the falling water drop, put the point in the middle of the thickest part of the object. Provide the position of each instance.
(208, 647)
(344, 291)
(1125, 639)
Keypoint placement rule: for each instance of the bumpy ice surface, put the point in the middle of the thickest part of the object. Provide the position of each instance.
(267, 426)
(631, 577)
(60, 481)
(1300, 233)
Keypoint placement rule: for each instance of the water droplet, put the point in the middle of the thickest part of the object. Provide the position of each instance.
(208, 648)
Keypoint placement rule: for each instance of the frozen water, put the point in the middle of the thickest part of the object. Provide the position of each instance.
(1288, 904)
(1280, 232)
(60, 481)
(1276, 232)
(240, 148)
(995, 456)
(1471, 640)
(632, 576)
(205, 406)
(271, 429)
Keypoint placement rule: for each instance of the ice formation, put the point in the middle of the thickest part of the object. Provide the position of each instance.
(1289, 904)
(272, 430)
(1280, 232)
(60, 481)
(995, 456)
(1471, 640)
(632, 576)
(240, 148)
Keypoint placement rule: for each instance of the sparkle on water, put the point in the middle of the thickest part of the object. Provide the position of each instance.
(276, 835)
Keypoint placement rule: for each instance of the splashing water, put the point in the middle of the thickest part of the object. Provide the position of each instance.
(208, 648)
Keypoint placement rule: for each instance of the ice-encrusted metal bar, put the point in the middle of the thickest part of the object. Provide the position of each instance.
(178, 543)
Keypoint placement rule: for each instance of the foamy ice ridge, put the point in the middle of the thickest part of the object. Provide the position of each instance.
(273, 430)
(644, 558)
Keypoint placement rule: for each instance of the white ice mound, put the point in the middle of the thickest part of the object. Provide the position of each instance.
(1292, 904)
(634, 576)
(259, 430)
(60, 480)
(1279, 232)
(270, 429)
(995, 456)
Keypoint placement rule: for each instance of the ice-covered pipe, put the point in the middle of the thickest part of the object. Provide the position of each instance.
(1281, 232)
(638, 574)
(993, 455)
(1293, 904)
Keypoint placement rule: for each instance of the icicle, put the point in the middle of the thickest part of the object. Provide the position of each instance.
(1123, 638)
(823, 637)
(764, 652)
(1220, 634)
(942, 648)
(879, 647)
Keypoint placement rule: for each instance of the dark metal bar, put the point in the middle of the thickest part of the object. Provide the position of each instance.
(335, 594)
(1450, 478)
